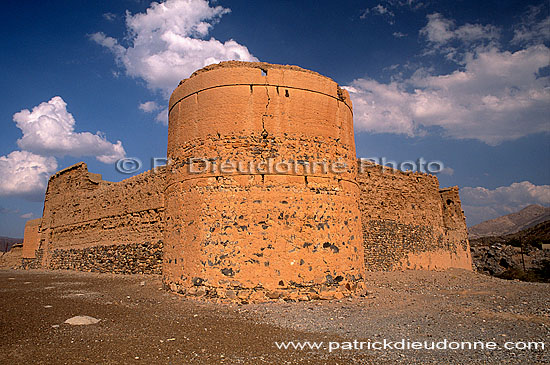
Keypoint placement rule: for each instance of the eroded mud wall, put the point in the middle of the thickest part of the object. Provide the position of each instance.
(95, 225)
(409, 223)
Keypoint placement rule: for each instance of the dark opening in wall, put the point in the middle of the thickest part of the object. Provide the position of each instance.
(286, 93)
(264, 72)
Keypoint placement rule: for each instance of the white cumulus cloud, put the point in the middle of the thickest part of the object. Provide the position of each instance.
(497, 96)
(162, 117)
(48, 130)
(168, 43)
(481, 204)
(494, 95)
(149, 106)
(25, 174)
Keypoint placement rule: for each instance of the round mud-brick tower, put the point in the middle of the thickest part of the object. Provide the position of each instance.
(261, 197)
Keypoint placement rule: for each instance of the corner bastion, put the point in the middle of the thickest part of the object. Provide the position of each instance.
(409, 223)
(263, 199)
(290, 231)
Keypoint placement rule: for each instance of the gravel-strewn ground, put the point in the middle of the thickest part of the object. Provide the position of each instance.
(140, 323)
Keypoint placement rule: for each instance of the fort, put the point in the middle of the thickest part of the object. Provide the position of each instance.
(256, 234)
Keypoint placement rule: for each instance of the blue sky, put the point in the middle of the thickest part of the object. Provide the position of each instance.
(462, 82)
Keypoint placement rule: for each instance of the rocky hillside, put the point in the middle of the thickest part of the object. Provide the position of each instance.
(518, 255)
(510, 223)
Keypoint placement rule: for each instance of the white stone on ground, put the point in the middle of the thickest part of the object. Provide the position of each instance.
(82, 320)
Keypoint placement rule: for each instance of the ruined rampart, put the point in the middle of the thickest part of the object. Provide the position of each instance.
(92, 224)
(409, 223)
(32, 239)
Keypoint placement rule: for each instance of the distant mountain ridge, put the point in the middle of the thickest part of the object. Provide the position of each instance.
(511, 223)
(7, 242)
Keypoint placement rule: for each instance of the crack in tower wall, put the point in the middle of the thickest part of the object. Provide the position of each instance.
(266, 105)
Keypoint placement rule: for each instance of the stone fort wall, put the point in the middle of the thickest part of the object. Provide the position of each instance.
(95, 225)
(252, 233)
(409, 223)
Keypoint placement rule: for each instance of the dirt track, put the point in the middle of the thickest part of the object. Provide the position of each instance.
(140, 323)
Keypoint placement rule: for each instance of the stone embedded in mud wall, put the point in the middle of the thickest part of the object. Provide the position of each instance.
(134, 258)
(34, 262)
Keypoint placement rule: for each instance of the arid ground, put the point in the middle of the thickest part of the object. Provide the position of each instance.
(142, 323)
